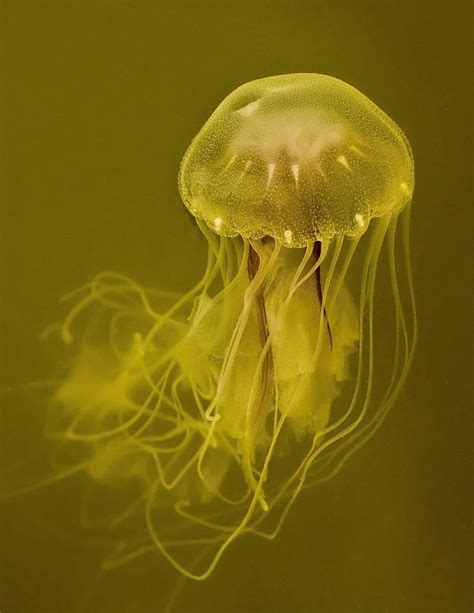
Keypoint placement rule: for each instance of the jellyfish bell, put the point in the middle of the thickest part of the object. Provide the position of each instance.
(300, 158)
(227, 401)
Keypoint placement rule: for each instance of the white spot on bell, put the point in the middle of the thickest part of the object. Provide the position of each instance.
(249, 109)
(295, 169)
(404, 189)
(218, 223)
(288, 235)
(271, 171)
(343, 161)
(359, 219)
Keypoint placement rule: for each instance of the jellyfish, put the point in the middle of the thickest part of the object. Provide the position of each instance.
(211, 411)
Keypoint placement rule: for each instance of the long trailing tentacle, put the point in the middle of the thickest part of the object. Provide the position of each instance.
(401, 366)
(173, 419)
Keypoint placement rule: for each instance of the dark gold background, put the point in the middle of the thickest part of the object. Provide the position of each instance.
(102, 99)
